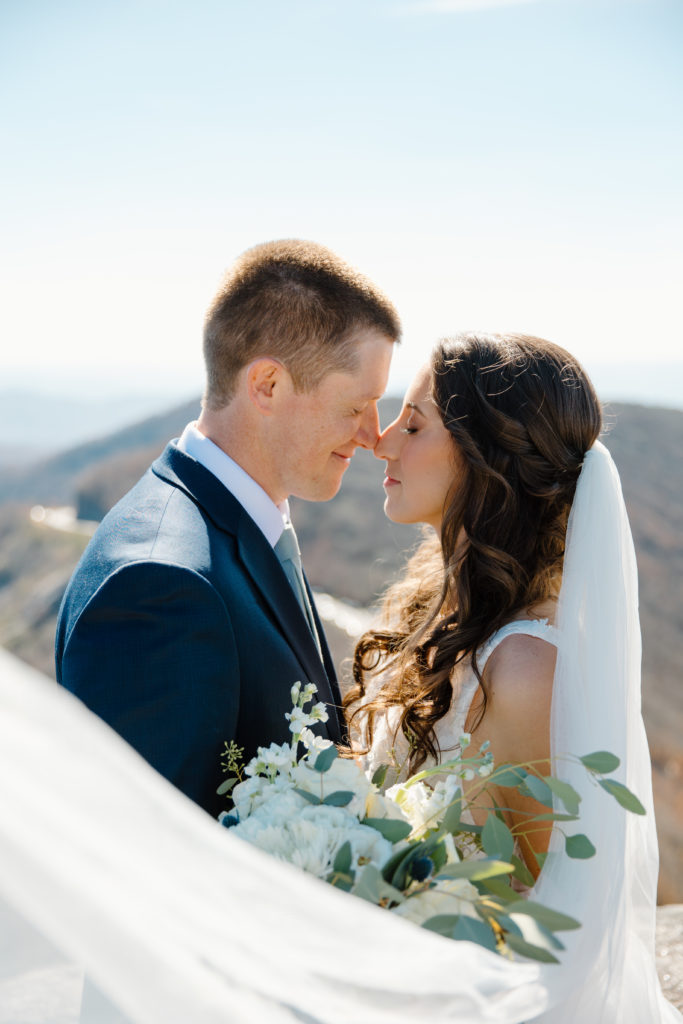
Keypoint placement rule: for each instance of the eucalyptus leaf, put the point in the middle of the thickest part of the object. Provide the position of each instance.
(476, 870)
(442, 924)
(471, 930)
(601, 762)
(325, 759)
(391, 828)
(439, 856)
(371, 886)
(551, 919)
(567, 794)
(497, 839)
(312, 799)
(623, 795)
(380, 775)
(579, 847)
(498, 887)
(508, 775)
(534, 932)
(521, 872)
(529, 950)
(551, 816)
(508, 925)
(401, 873)
(390, 868)
(466, 826)
(340, 798)
(342, 862)
(539, 790)
(451, 819)
(226, 786)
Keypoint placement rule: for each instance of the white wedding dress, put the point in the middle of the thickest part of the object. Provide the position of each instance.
(390, 746)
(179, 921)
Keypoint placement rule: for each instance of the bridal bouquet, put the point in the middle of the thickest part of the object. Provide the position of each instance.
(408, 849)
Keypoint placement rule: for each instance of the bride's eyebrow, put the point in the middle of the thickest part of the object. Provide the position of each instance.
(413, 405)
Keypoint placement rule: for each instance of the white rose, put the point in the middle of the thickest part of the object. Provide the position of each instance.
(450, 896)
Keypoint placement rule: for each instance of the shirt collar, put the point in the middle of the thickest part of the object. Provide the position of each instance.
(269, 517)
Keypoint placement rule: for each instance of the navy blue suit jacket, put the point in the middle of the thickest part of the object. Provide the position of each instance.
(180, 629)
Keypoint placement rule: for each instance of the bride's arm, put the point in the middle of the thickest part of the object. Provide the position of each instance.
(519, 678)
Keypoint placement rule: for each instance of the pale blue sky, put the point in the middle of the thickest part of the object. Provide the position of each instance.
(503, 165)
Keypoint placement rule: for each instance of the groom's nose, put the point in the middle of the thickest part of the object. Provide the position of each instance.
(367, 434)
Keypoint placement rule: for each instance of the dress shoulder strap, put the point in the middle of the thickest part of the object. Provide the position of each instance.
(526, 627)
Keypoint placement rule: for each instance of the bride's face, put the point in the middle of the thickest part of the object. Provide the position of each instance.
(421, 457)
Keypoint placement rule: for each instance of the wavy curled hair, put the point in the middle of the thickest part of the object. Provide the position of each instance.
(522, 413)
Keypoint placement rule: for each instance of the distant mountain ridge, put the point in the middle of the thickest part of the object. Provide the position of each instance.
(352, 551)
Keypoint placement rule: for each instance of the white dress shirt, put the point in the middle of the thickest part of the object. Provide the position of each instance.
(269, 517)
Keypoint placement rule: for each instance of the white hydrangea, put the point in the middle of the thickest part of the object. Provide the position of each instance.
(311, 835)
(250, 794)
(343, 774)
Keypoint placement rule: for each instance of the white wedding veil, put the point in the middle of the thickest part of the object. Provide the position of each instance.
(175, 919)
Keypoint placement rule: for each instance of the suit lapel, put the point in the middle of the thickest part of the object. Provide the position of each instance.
(263, 567)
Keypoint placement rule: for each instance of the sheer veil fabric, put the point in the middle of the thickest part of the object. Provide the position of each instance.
(177, 920)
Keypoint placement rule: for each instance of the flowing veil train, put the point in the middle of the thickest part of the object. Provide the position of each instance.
(177, 920)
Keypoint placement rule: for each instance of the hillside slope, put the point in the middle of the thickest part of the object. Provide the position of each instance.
(352, 551)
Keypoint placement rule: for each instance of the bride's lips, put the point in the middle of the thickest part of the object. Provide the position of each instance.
(389, 481)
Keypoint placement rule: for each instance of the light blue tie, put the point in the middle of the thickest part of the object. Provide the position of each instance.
(287, 551)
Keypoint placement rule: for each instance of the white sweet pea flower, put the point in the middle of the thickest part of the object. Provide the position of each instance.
(465, 740)
(294, 693)
(298, 720)
(485, 769)
(276, 758)
(319, 712)
(308, 693)
(449, 896)
(468, 774)
(313, 743)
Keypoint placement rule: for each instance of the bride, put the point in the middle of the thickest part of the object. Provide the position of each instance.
(516, 622)
(178, 920)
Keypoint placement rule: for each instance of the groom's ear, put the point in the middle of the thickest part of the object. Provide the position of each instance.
(266, 380)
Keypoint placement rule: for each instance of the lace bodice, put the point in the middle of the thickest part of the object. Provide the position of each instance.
(391, 747)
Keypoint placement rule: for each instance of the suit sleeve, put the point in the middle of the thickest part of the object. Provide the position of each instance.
(153, 653)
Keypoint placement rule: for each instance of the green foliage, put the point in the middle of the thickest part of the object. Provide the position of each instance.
(601, 762)
(342, 862)
(567, 794)
(551, 919)
(623, 795)
(497, 839)
(325, 759)
(579, 847)
(341, 798)
(476, 870)
(372, 886)
(391, 828)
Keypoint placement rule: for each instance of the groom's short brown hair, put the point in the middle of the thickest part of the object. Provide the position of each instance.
(297, 302)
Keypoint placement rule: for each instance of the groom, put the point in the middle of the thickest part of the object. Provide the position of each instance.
(188, 618)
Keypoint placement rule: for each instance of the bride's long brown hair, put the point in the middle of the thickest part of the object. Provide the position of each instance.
(522, 414)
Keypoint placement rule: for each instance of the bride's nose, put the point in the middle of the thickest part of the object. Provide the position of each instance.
(386, 445)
